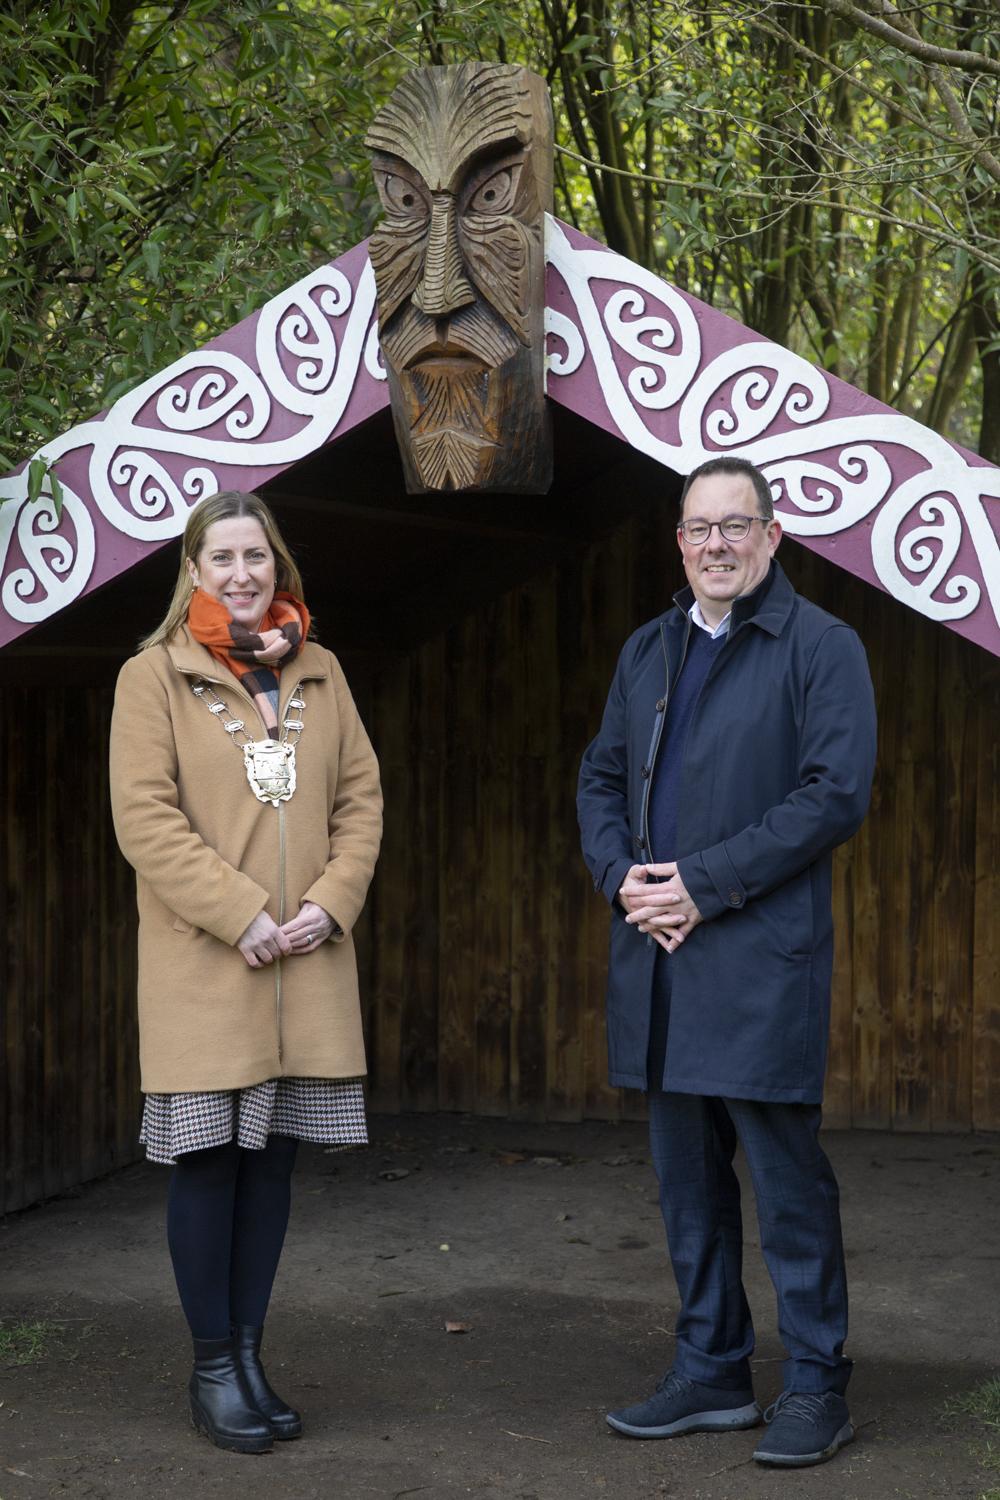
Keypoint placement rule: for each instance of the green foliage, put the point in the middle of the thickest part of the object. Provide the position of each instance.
(25, 1342)
(982, 1402)
(164, 169)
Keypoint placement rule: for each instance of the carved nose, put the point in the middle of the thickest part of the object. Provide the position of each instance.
(443, 288)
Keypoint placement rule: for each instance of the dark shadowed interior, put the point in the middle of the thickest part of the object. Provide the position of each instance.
(479, 635)
(383, 570)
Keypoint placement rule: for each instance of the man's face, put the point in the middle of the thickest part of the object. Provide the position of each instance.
(462, 163)
(721, 571)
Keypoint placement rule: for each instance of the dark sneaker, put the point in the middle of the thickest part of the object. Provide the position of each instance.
(803, 1429)
(679, 1405)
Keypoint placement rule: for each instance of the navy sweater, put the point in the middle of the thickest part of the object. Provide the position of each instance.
(665, 792)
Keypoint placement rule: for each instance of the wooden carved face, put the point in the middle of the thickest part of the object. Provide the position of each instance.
(462, 158)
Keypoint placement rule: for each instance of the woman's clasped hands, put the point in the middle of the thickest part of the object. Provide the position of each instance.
(264, 940)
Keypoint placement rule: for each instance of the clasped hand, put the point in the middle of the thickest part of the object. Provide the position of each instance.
(662, 908)
(264, 940)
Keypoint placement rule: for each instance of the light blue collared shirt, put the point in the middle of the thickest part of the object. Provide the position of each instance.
(699, 619)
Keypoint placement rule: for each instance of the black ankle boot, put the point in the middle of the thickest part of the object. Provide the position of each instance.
(284, 1422)
(221, 1405)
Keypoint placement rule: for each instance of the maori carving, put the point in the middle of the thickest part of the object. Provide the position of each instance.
(901, 506)
(462, 159)
(682, 384)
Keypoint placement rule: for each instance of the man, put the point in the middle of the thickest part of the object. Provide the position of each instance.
(736, 751)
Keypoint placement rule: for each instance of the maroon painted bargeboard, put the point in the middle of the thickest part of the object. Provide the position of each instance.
(874, 491)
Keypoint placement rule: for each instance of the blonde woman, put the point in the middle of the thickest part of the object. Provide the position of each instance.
(246, 796)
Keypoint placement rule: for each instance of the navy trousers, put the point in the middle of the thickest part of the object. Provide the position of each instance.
(693, 1142)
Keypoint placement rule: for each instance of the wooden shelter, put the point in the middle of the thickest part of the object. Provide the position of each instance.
(479, 633)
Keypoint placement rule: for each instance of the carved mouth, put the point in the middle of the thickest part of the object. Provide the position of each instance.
(447, 361)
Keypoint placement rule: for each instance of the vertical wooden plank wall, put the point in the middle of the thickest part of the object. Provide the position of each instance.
(69, 1085)
(503, 961)
(482, 950)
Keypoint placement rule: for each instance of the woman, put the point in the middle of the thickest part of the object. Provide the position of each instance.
(246, 796)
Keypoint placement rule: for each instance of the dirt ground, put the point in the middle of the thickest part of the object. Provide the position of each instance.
(546, 1242)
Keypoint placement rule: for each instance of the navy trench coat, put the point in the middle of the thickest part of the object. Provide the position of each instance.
(776, 772)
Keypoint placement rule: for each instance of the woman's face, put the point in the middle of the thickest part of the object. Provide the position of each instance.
(236, 566)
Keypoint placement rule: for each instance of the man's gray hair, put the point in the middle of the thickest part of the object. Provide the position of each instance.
(727, 465)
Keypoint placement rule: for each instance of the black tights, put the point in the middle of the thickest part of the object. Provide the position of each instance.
(227, 1212)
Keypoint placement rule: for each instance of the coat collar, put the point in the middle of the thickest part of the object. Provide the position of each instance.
(768, 607)
(195, 660)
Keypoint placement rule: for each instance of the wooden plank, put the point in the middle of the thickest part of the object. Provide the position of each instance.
(60, 859)
(75, 890)
(84, 1065)
(986, 940)
(533, 874)
(419, 1084)
(36, 939)
(392, 745)
(359, 670)
(566, 958)
(909, 829)
(813, 584)
(360, 679)
(111, 980)
(491, 875)
(459, 851)
(607, 620)
(650, 593)
(24, 833)
(871, 1072)
(952, 911)
(11, 1149)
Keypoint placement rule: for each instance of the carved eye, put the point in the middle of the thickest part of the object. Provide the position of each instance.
(401, 196)
(495, 195)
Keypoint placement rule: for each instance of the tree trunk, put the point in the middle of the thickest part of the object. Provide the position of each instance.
(986, 324)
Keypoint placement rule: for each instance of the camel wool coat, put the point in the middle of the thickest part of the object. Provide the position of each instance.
(209, 857)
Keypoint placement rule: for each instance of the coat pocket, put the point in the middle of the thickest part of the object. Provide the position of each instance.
(786, 913)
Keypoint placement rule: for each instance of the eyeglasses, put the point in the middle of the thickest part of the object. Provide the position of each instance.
(733, 528)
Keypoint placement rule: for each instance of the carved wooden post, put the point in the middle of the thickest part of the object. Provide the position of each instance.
(462, 158)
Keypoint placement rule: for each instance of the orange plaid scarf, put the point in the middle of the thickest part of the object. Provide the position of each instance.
(254, 657)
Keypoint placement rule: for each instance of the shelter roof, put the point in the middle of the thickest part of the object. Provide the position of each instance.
(669, 377)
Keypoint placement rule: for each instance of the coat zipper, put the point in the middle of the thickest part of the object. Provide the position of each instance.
(281, 918)
(281, 879)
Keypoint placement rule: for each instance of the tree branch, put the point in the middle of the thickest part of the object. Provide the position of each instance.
(907, 41)
(867, 211)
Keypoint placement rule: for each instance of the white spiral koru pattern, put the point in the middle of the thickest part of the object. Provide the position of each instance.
(828, 474)
(58, 552)
(211, 410)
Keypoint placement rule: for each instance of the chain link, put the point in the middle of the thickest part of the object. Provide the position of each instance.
(291, 728)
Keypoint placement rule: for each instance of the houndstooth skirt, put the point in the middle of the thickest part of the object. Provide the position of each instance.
(329, 1111)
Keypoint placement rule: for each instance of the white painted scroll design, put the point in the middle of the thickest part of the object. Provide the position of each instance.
(187, 432)
(828, 473)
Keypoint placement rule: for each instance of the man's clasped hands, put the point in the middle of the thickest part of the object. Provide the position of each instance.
(656, 901)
